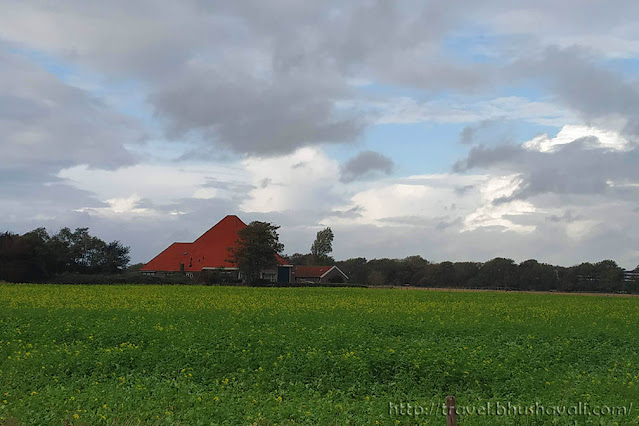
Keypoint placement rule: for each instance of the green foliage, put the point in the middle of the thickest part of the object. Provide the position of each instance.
(498, 273)
(300, 259)
(36, 256)
(322, 246)
(218, 277)
(196, 355)
(126, 278)
(536, 276)
(355, 268)
(256, 249)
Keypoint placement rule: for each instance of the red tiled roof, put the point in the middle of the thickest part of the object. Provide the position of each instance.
(311, 271)
(208, 251)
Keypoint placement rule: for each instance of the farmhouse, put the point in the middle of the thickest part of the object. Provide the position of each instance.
(210, 253)
(319, 274)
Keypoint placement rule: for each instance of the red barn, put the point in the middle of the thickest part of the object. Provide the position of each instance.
(210, 252)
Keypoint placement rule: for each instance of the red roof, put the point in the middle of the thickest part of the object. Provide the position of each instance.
(208, 251)
(311, 271)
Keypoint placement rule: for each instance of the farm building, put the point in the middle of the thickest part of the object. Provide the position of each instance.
(631, 276)
(210, 253)
(319, 274)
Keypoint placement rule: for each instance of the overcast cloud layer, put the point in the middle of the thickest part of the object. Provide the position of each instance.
(464, 130)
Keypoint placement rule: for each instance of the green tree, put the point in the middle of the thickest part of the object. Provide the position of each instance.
(36, 256)
(256, 249)
(441, 275)
(413, 269)
(114, 258)
(610, 275)
(78, 251)
(300, 259)
(533, 275)
(498, 272)
(322, 246)
(465, 272)
(355, 268)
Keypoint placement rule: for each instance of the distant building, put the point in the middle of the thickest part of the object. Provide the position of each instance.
(210, 252)
(318, 274)
(631, 276)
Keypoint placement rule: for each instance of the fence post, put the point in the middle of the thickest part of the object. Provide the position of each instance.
(451, 414)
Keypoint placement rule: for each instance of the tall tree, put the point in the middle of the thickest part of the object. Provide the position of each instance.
(115, 257)
(256, 249)
(322, 246)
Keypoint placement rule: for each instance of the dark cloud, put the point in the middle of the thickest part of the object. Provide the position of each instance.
(231, 186)
(269, 78)
(45, 123)
(469, 133)
(578, 168)
(567, 217)
(482, 156)
(366, 164)
(247, 114)
(31, 198)
(351, 213)
(250, 77)
(462, 190)
(575, 75)
(436, 223)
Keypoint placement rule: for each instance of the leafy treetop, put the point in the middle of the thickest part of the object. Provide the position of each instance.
(256, 249)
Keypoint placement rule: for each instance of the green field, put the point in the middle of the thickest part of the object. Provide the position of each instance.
(202, 355)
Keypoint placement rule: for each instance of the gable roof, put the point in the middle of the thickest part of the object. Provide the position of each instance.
(210, 250)
(315, 271)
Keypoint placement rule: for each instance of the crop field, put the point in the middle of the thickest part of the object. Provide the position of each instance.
(234, 355)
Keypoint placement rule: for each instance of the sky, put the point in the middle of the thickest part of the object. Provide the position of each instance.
(457, 130)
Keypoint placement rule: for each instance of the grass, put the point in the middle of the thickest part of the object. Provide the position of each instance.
(200, 355)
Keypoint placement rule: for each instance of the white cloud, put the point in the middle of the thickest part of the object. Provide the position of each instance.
(570, 133)
(427, 196)
(160, 183)
(305, 179)
(440, 200)
(489, 213)
(120, 207)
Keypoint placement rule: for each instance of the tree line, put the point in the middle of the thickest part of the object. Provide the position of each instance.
(37, 256)
(498, 273)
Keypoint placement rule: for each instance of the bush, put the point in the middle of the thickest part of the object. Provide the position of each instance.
(70, 278)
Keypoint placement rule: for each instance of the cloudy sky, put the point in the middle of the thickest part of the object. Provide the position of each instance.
(457, 130)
